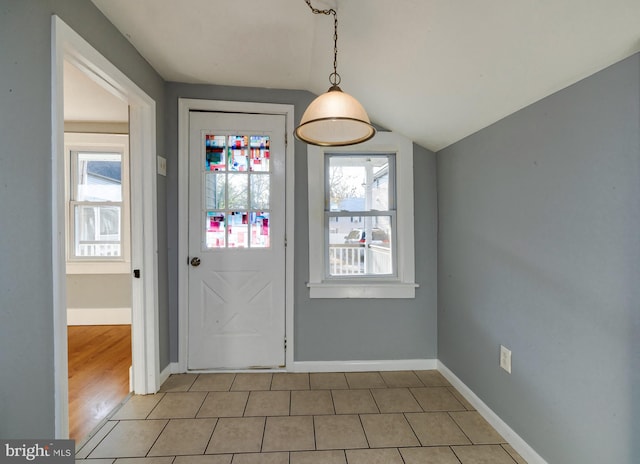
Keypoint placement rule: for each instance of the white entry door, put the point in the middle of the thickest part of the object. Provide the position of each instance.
(236, 308)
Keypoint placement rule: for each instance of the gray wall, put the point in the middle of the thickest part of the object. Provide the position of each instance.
(26, 289)
(539, 251)
(327, 329)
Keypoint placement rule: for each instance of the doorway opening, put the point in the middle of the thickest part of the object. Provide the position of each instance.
(69, 46)
(98, 244)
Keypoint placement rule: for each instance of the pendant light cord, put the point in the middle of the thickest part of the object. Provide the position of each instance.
(334, 78)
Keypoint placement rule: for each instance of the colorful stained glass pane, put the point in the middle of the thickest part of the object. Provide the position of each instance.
(260, 191)
(238, 191)
(238, 153)
(238, 229)
(238, 141)
(259, 153)
(214, 146)
(260, 231)
(237, 194)
(215, 229)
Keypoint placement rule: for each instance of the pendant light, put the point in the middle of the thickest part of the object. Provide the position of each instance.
(335, 118)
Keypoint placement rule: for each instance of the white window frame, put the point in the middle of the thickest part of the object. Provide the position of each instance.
(90, 142)
(390, 212)
(403, 284)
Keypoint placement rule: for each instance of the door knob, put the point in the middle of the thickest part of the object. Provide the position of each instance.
(195, 262)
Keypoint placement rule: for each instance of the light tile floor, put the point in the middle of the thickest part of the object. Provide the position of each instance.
(406, 417)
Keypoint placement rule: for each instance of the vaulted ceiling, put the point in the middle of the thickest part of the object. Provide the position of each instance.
(433, 70)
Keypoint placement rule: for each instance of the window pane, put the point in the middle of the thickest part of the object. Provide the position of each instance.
(97, 231)
(238, 153)
(215, 190)
(260, 231)
(85, 223)
(99, 177)
(238, 229)
(214, 152)
(260, 191)
(360, 245)
(359, 183)
(259, 153)
(215, 230)
(238, 195)
(109, 223)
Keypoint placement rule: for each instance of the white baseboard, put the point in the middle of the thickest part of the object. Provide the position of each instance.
(521, 446)
(363, 366)
(335, 366)
(98, 316)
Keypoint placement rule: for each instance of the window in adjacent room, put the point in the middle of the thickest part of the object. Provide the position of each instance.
(96, 204)
(97, 213)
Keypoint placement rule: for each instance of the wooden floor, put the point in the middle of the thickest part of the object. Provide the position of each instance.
(99, 360)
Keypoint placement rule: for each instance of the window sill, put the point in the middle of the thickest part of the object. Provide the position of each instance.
(359, 289)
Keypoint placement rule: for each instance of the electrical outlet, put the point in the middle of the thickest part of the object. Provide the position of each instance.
(162, 166)
(505, 359)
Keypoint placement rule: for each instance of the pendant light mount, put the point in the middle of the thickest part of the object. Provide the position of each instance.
(335, 118)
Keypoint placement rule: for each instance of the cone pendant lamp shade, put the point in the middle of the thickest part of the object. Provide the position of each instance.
(335, 119)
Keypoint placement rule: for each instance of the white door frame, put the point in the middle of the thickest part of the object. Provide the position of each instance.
(184, 106)
(68, 45)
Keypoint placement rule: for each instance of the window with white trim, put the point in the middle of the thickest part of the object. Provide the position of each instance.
(361, 219)
(97, 203)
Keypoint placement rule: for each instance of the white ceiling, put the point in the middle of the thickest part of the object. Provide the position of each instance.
(434, 70)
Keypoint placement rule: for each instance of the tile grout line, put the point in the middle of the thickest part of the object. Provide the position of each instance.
(215, 426)
(193, 383)
(454, 454)
(156, 440)
(264, 432)
(315, 439)
(416, 399)
(204, 398)
(512, 457)
(246, 404)
(460, 427)
(101, 440)
(374, 400)
(364, 431)
(404, 414)
(333, 402)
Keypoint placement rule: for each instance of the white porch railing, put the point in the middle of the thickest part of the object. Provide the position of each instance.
(357, 260)
(346, 260)
(98, 249)
(381, 260)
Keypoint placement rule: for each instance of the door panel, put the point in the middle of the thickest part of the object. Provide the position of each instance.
(236, 231)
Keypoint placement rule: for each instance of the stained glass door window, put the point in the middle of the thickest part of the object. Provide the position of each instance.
(237, 190)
